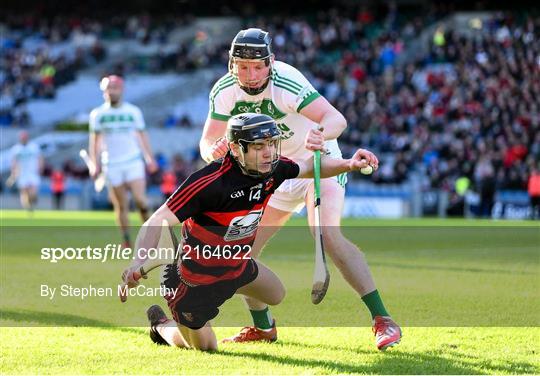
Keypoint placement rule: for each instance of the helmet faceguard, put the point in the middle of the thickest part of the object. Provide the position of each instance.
(250, 45)
(254, 130)
(274, 142)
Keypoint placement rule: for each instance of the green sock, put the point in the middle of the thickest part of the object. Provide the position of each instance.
(374, 303)
(262, 319)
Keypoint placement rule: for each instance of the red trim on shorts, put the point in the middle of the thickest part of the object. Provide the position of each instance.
(181, 291)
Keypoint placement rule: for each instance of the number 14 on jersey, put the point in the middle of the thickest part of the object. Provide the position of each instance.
(255, 195)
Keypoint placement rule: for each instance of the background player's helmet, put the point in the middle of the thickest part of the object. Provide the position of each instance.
(250, 44)
(248, 128)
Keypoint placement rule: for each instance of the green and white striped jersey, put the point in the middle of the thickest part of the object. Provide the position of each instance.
(118, 125)
(287, 93)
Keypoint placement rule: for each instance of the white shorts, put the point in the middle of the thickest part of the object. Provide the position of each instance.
(291, 194)
(27, 181)
(120, 173)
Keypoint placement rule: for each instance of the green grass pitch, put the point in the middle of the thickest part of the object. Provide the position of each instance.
(467, 293)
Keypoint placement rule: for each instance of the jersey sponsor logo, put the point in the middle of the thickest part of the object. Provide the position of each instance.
(112, 118)
(266, 106)
(237, 194)
(258, 186)
(26, 154)
(243, 226)
(270, 108)
(286, 132)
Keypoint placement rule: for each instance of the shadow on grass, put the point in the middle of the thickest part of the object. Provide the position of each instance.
(393, 361)
(511, 366)
(52, 319)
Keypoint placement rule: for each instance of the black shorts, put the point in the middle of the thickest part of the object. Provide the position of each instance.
(195, 306)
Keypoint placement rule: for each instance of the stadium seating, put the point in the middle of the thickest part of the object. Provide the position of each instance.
(437, 98)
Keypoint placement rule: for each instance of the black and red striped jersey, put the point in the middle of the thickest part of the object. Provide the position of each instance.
(221, 208)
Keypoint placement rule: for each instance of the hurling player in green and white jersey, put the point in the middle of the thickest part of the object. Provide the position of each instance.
(26, 167)
(257, 83)
(119, 146)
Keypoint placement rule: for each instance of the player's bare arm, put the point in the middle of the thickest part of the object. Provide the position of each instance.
(213, 144)
(94, 148)
(330, 120)
(148, 237)
(147, 151)
(333, 167)
(14, 168)
(14, 173)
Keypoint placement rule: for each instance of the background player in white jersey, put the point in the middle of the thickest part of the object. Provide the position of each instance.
(119, 145)
(258, 83)
(26, 167)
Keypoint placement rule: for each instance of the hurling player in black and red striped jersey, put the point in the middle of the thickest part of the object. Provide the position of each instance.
(220, 207)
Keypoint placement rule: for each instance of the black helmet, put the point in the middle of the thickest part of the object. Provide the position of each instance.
(250, 44)
(248, 128)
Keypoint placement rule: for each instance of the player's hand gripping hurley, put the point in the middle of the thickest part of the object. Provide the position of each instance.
(131, 276)
(99, 183)
(321, 277)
